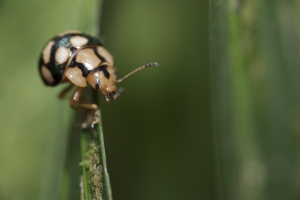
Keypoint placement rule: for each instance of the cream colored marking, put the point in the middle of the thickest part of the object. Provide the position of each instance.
(74, 74)
(47, 52)
(68, 32)
(78, 41)
(105, 54)
(62, 54)
(88, 58)
(47, 75)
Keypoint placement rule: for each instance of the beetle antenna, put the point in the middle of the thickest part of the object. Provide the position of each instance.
(138, 69)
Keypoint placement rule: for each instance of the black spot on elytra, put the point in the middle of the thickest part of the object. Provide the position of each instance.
(81, 66)
(84, 70)
(73, 49)
(103, 69)
(73, 62)
(57, 70)
(99, 56)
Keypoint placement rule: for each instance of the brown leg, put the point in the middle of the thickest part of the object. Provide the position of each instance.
(74, 102)
(62, 94)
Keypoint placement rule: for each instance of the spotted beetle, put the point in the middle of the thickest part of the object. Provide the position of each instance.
(79, 58)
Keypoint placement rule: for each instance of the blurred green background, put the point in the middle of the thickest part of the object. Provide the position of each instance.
(218, 119)
(256, 98)
(158, 135)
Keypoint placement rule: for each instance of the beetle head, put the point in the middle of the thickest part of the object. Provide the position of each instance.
(104, 79)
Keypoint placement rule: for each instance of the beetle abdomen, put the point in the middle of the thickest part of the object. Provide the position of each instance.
(57, 52)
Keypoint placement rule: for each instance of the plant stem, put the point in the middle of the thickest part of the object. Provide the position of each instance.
(92, 181)
(85, 177)
(106, 180)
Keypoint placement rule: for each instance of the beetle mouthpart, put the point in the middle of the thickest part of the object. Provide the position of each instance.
(107, 96)
(118, 93)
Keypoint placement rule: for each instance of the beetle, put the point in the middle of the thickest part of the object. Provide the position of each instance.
(81, 59)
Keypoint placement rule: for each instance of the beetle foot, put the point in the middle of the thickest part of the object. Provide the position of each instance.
(96, 118)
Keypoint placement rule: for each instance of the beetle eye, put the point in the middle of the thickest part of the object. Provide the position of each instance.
(113, 94)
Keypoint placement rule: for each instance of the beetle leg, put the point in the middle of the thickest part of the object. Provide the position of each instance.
(96, 118)
(62, 94)
(74, 103)
(75, 100)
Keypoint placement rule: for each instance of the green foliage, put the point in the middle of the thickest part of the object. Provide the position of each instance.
(158, 134)
(255, 62)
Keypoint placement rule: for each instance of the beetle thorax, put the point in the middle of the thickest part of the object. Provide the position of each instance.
(103, 79)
